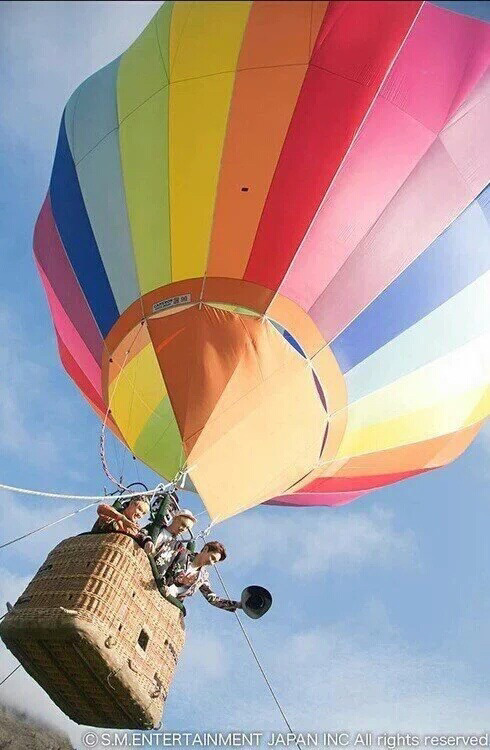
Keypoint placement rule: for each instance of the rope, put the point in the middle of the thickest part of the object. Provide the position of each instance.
(205, 532)
(254, 653)
(10, 675)
(103, 459)
(149, 493)
(18, 665)
(59, 496)
(46, 525)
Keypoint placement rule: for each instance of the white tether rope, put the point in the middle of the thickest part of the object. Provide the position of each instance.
(257, 660)
(60, 496)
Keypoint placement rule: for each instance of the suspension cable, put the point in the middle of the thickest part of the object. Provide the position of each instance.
(10, 674)
(254, 653)
(103, 459)
(18, 665)
(59, 496)
(148, 493)
(46, 526)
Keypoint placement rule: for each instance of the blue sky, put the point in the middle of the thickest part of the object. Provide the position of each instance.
(381, 608)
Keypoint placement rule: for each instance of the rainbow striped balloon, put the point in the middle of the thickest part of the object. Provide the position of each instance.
(265, 245)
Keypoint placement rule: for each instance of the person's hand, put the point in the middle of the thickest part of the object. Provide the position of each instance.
(129, 527)
(149, 547)
(105, 517)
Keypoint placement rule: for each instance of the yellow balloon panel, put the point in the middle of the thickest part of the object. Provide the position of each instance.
(135, 392)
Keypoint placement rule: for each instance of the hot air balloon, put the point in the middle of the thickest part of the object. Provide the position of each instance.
(265, 246)
(249, 169)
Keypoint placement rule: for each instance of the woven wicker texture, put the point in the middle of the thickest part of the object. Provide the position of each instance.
(93, 630)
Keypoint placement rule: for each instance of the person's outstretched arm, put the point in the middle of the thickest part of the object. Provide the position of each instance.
(228, 604)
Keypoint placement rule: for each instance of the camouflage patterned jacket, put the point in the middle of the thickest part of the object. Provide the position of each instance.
(187, 579)
(167, 548)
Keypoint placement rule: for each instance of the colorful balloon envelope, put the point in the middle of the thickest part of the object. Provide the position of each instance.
(266, 245)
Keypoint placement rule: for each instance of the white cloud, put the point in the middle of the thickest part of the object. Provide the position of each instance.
(355, 540)
(47, 50)
(11, 586)
(345, 678)
(20, 515)
(28, 388)
(321, 541)
(21, 691)
(205, 655)
(19, 374)
(381, 684)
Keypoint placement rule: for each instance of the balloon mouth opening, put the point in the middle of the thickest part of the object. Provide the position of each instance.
(254, 383)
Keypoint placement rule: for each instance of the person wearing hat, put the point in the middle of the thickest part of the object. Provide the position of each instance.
(187, 573)
(167, 543)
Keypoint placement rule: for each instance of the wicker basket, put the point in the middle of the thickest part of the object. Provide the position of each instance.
(93, 630)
